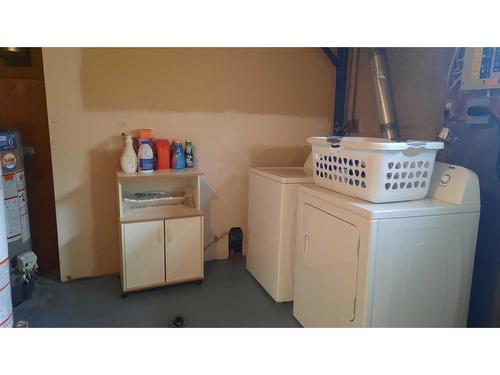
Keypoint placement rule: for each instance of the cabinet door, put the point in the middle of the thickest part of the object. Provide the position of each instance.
(326, 270)
(184, 249)
(144, 251)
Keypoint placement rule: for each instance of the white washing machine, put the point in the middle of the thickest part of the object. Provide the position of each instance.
(272, 202)
(404, 264)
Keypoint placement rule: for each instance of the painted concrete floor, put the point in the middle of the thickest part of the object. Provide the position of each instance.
(228, 297)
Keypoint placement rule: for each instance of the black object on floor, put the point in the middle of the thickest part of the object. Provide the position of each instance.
(178, 322)
(228, 297)
(236, 240)
(20, 290)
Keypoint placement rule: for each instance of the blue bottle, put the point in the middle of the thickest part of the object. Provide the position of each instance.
(178, 160)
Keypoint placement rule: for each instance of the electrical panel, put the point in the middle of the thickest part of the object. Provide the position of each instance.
(481, 70)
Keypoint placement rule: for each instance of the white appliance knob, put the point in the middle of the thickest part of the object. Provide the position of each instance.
(445, 178)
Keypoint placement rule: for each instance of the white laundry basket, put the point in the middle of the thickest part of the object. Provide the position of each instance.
(374, 169)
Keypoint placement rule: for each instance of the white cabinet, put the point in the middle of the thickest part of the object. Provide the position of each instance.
(160, 244)
(144, 254)
(183, 259)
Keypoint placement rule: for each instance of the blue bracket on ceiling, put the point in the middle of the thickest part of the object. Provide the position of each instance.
(339, 111)
(333, 58)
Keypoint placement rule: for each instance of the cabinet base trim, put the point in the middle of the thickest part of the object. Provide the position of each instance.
(159, 285)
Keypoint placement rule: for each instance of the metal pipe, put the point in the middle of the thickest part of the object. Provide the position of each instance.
(383, 93)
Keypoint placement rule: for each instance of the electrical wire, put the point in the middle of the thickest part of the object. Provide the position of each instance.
(451, 66)
(455, 69)
(496, 120)
(455, 82)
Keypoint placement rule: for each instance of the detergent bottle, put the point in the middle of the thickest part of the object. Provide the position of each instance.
(188, 152)
(163, 153)
(146, 158)
(178, 160)
(128, 160)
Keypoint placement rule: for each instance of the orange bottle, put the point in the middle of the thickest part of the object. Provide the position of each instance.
(163, 153)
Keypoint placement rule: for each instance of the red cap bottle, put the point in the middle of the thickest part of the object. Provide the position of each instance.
(163, 151)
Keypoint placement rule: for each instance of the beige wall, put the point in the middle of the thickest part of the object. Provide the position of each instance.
(241, 108)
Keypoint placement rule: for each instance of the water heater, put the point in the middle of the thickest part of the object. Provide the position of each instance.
(15, 214)
(14, 188)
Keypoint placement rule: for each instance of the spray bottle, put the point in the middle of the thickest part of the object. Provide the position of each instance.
(128, 160)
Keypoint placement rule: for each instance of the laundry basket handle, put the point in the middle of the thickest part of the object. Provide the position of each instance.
(334, 140)
(416, 143)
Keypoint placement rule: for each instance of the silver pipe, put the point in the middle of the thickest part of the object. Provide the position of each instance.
(383, 93)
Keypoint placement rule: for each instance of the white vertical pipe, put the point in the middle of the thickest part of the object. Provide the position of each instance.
(6, 316)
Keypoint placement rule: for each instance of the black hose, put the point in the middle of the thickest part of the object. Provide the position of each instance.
(485, 111)
(497, 121)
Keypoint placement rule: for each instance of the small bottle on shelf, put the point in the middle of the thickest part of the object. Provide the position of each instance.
(178, 159)
(163, 153)
(146, 158)
(189, 154)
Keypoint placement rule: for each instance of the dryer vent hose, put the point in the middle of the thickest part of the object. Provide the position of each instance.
(383, 93)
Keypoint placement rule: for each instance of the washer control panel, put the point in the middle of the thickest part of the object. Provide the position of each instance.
(454, 184)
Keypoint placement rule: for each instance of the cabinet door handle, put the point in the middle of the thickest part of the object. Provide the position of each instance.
(306, 243)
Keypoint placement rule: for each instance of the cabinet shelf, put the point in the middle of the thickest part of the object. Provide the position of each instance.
(159, 213)
(187, 172)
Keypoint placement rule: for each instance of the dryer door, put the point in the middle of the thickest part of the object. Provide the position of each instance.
(326, 270)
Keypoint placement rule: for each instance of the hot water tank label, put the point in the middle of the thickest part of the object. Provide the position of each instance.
(20, 180)
(21, 199)
(12, 218)
(8, 142)
(9, 161)
(9, 185)
(25, 227)
(16, 207)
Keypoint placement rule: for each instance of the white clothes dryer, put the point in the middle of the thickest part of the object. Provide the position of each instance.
(403, 264)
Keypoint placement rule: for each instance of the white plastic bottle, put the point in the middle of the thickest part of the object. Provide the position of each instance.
(146, 161)
(128, 160)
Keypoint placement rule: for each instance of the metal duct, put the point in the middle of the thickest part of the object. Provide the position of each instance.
(383, 92)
